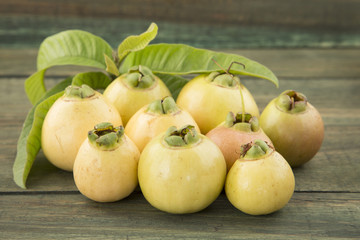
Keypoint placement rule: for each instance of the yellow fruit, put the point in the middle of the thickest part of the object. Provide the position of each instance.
(131, 91)
(105, 169)
(156, 118)
(181, 171)
(260, 185)
(209, 100)
(294, 126)
(68, 121)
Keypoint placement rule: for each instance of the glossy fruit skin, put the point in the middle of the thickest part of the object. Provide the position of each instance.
(144, 126)
(209, 103)
(181, 180)
(260, 186)
(107, 175)
(67, 123)
(128, 100)
(230, 141)
(296, 136)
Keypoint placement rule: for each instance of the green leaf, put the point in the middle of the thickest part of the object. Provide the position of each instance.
(29, 142)
(173, 82)
(180, 59)
(72, 47)
(111, 66)
(96, 80)
(34, 86)
(137, 42)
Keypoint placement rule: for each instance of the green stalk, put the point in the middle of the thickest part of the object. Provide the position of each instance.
(242, 102)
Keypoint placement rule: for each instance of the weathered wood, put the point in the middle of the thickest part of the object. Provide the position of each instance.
(203, 23)
(318, 14)
(334, 168)
(285, 63)
(59, 216)
(28, 31)
(325, 204)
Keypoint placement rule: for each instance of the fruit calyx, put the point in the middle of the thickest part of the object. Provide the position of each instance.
(291, 101)
(83, 91)
(140, 77)
(255, 150)
(223, 79)
(185, 136)
(105, 136)
(242, 122)
(167, 105)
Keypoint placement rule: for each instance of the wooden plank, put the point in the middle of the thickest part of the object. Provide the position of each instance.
(285, 63)
(334, 168)
(59, 216)
(316, 14)
(28, 31)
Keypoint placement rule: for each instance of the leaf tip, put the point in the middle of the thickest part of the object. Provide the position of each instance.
(20, 184)
(276, 81)
(19, 180)
(153, 27)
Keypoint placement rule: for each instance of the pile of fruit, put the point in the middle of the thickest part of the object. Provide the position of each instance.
(182, 145)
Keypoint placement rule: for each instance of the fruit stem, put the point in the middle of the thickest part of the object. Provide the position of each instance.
(235, 78)
(292, 103)
(105, 136)
(242, 102)
(241, 94)
(226, 80)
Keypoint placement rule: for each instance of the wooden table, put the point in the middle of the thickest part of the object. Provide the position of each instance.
(326, 202)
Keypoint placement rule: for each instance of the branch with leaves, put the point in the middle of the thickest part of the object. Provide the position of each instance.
(171, 62)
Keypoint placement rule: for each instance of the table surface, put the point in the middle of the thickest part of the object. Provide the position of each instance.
(326, 202)
(312, 48)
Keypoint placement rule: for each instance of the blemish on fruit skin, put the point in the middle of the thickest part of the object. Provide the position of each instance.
(59, 142)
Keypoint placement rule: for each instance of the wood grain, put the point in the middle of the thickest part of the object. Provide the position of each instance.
(59, 216)
(317, 14)
(325, 204)
(334, 168)
(285, 63)
(28, 31)
(209, 24)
